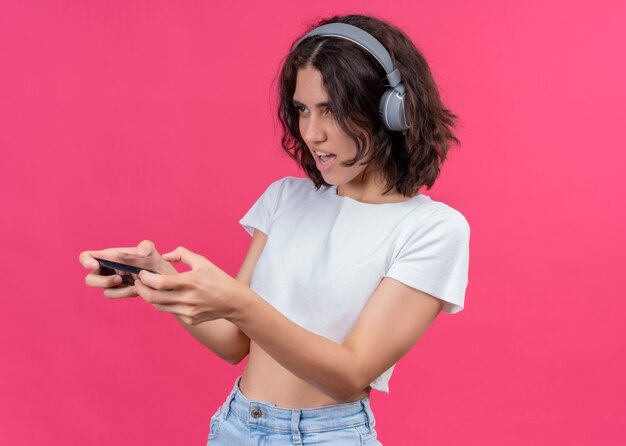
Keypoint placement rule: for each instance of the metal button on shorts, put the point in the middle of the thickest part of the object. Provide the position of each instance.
(256, 413)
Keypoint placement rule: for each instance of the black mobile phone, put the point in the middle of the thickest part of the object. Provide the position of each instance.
(128, 273)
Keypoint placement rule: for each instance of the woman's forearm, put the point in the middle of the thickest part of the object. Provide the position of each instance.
(321, 362)
(220, 336)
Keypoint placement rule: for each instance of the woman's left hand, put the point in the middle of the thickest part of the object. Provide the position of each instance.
(200, 295)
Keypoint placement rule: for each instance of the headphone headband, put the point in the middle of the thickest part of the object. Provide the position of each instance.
(364, 40)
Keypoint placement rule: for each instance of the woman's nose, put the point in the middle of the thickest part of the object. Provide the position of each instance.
(314, 131)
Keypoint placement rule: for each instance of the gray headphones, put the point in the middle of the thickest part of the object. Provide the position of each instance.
(391, 106)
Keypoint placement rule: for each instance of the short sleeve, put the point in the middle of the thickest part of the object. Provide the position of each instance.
(259, 216)
(435, 260)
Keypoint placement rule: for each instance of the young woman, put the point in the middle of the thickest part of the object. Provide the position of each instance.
(347, 267)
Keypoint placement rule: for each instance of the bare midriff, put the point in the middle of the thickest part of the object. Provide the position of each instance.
(267, 381)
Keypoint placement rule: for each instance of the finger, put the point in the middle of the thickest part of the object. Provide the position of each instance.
(178, 309)
(184, 255)
(96, 280)
(153, 296)
(188, 320)
(88, 258)
(123, 292)
(163, 281)
(146, 248)
(88, 261)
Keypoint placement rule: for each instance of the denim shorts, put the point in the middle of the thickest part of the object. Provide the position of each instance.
(242, 422)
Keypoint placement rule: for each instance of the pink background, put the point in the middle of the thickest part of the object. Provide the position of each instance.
(123, 121)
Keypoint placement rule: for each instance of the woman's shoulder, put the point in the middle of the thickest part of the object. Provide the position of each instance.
(439, 213)
(290, 180)
(294, 184)
(296, 181)
(289, 186)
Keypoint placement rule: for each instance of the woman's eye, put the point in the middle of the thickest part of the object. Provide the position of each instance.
(302, 109)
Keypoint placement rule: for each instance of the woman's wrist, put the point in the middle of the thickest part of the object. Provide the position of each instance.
(242, 301)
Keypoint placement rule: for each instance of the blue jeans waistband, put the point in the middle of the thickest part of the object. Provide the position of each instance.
(273, 417)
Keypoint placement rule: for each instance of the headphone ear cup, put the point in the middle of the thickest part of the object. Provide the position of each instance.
(391, 110)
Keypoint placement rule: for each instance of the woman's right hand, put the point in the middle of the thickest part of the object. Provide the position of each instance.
(144, 255)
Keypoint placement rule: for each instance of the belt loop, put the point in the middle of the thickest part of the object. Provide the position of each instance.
(295, 429)
(368, 411)
(231, 395)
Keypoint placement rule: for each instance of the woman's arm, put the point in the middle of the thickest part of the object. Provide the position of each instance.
(389, 325)
(222, 336)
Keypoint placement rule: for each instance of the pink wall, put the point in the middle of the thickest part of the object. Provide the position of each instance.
(122, 122)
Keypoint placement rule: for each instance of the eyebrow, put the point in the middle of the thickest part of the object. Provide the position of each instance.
(318, 105)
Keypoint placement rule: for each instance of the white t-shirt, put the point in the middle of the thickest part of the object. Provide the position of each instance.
(326, 254)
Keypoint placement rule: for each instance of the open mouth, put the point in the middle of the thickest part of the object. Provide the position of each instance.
(326, 159)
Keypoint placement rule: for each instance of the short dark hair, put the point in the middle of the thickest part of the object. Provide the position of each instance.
(353, 79)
